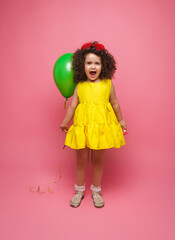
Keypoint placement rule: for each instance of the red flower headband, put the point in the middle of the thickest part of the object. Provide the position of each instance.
(97, 46)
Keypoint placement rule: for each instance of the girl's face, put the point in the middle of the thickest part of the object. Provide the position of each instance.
(93, 66)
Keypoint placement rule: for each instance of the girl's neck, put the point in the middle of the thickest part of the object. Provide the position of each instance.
(94, 81)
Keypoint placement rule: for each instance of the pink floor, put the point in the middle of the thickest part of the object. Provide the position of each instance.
(139, 202)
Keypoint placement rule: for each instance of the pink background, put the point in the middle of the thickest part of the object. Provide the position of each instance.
(138, 181)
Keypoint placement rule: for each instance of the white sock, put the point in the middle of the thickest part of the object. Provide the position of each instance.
(95, 189)
(80, 188)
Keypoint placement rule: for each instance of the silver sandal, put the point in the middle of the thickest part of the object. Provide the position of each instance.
(77, 198)
(97, 199)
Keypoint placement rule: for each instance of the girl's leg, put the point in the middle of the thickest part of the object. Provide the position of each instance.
(97, 158)
(81, 165)
(97, 169)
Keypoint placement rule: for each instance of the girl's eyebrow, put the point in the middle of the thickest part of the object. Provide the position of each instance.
(91, 61)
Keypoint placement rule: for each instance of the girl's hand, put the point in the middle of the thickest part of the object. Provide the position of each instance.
(64, 127)
(123, 124)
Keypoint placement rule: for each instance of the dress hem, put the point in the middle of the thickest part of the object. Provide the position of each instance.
(95, 148)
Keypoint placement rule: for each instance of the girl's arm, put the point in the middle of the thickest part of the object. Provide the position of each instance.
(116, 107)
(70, 111)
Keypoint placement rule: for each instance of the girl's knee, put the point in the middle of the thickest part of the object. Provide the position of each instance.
(97, 157)
(97, 162)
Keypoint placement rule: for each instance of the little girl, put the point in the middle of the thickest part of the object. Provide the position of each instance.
(98, 120)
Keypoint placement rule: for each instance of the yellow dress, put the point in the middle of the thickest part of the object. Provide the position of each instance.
(95, 124)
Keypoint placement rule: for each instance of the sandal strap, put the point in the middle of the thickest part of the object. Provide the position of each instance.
(96, 193)
(79, 192)
(97, 198)
(77, 197)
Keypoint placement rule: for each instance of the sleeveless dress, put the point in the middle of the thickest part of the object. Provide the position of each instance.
(95, 124)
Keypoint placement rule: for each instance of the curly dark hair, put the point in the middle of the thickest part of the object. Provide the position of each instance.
(107, 60)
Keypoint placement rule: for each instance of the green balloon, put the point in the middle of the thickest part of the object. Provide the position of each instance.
(63, 75)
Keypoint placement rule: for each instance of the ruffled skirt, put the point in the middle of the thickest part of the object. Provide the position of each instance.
(95, 126)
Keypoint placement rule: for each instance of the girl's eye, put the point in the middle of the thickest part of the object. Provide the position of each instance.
(95, 63)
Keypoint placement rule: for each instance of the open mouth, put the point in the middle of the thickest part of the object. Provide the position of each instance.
(92, 73)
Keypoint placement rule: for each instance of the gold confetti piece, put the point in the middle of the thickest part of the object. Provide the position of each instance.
(41, 192)
(54, 182)
(51, 191)
(38, 189)
(31, 189)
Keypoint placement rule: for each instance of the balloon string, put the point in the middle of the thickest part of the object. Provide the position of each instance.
(65, 103)
(60, 169)
(48, 189)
